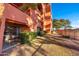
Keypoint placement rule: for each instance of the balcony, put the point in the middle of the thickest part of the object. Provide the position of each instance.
(16, 15)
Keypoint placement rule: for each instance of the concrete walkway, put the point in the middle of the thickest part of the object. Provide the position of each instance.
(47, 46)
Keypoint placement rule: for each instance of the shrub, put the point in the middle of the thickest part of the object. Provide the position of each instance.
(27, 37)
(40, 32)
(66, 36)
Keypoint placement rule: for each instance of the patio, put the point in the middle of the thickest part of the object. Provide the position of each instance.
(48, 45)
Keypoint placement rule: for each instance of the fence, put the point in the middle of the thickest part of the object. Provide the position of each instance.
(71, 33)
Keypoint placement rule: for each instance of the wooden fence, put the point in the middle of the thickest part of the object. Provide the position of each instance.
(71, 33)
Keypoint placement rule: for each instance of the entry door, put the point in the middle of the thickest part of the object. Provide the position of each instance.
(12, 31)
(11, 35)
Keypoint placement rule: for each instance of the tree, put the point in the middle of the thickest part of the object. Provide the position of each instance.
(69, 27)
(66, 23)
(56, 24)
(26, 6)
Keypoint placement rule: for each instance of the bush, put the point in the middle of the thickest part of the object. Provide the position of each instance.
(27, 37)
(40, 32)
(66, 36)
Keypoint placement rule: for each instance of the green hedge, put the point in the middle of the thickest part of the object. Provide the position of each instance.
(40, 32)
(27, 37)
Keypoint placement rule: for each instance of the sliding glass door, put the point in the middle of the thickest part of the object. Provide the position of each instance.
(11, 35)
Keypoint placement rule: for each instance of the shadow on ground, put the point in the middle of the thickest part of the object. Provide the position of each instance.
(41, 47)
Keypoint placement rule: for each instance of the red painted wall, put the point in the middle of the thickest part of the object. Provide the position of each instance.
(2, 28)
(15, 14)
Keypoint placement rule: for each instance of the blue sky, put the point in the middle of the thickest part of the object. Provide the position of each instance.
(66, 11)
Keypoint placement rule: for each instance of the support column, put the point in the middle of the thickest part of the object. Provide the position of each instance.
(2, 28)
(43, 10)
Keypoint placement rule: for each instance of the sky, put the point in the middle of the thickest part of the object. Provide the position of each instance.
(66, 11)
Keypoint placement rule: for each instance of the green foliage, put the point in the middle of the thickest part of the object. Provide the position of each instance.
(57, 24)
(65, 22)
(40, 32)
(27, 37)
(25, 6)
(32, 35)
(69, 26)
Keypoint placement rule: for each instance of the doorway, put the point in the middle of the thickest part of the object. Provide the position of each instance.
(11, 35)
